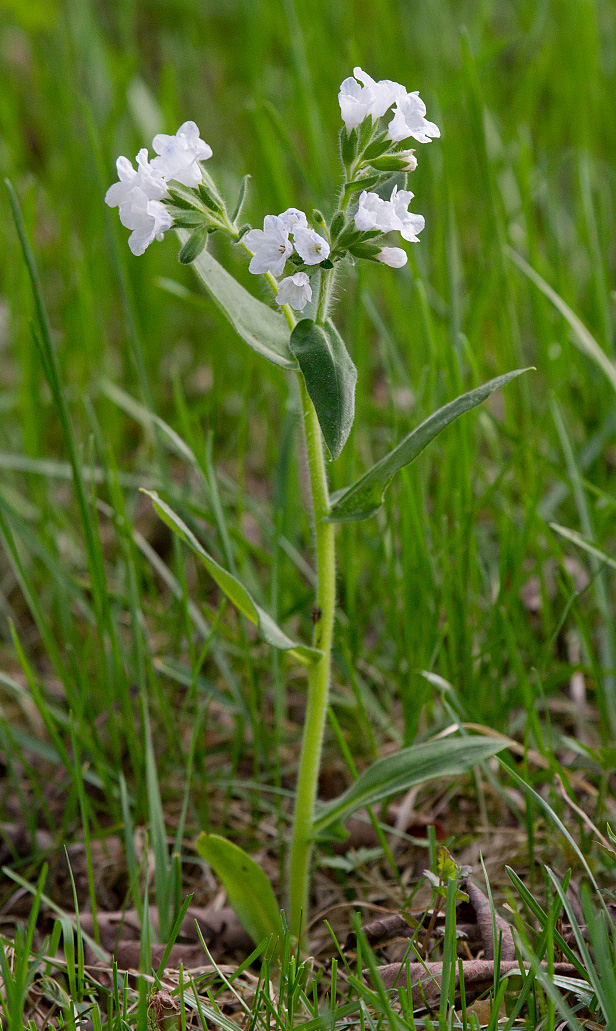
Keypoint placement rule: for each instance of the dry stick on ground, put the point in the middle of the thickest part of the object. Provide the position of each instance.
(425, 978)
(222, 932)
(482, 908)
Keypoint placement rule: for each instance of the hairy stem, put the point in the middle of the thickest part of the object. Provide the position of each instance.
(327, 285)
(318, 671)
(318, 674)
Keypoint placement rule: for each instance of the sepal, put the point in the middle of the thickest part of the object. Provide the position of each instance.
(209, 199)
(348, 145)
(391, 163)
(379, 145)
(241, 197)
(365, 249)
(188, 219)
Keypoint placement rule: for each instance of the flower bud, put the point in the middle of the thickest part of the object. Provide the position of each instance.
(395, 257)
(405, 162)
(193, 246)
(366, 249)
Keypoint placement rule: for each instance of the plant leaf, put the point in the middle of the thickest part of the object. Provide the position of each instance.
(260, 327)
(447, 757)
(269, 631)
(365, 496)
(330, 377)
(247, 887)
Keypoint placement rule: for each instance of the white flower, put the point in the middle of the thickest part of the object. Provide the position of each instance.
(293, 219)
(311, 247)
(179, 154)
(409, 120)
(374, 98)
(149, 219)
(384, 92)
(270, 246)
(408, 223)
(395, 257)
(153, 186)
(295, 290)
(355, 103)
(375, 213)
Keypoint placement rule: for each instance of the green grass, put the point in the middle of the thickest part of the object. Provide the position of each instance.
(113, 644)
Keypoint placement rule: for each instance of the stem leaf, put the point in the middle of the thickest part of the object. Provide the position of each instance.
(447, 757)
(263, 329)
(269, 631)
(363, 498)
(248, 889)
(330, 377)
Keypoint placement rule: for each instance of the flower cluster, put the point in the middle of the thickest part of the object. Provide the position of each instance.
(282, 237)
(374, 99)
(139, 194)
(174, 190)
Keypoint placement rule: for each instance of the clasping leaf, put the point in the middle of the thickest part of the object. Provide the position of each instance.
(269, 631)
(447, 757)
(365, 496)
(330, 377)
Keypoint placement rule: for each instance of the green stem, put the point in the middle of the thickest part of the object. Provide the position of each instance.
(327, 285)
(319, 671)
(318, 674)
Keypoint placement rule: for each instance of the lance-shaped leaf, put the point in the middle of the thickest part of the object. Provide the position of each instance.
(269, 631)
(247, 887)
(447, 757)
(365, 496)
(263, 329)
(330, 377)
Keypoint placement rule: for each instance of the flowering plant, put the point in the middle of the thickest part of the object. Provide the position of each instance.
(300, 258)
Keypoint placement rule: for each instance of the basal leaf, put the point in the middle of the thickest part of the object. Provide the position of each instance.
(365, 496)
(269, 631)
(248, 889)
(330, 377)
(263, 329)
(447, 757)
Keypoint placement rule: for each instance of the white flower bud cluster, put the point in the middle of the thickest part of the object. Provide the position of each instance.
(272, 246)
(139, 193)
